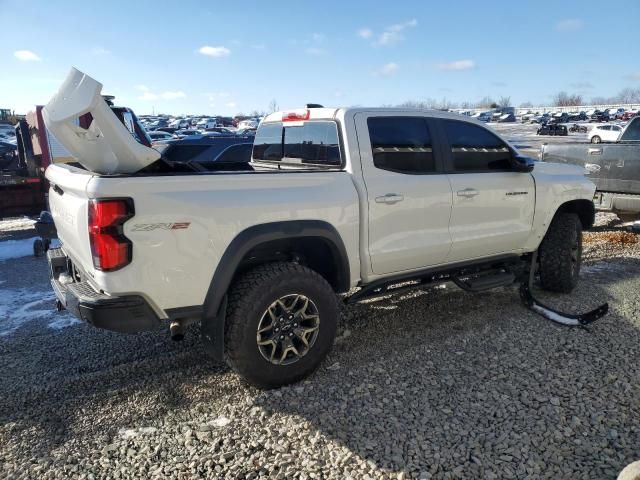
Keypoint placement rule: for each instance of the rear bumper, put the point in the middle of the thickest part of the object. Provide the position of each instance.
(124, 314)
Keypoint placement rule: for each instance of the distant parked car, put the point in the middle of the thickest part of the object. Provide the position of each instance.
(577, 117)
(552, 129)
(507, 117)
(560, 117)
(159, 135)
(615, 113)
(628, 115)
(207, 123)
(166, 129)
(253, 123)
(180, 123)
(8, 154)
(604, 133)
(599, 116)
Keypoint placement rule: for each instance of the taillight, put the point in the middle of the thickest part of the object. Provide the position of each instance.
(110, 249)
(296, 115)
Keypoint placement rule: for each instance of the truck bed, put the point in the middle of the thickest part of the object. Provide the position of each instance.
(613, 167)
(215, 207)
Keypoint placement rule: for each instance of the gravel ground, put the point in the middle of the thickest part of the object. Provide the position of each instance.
(438, 383)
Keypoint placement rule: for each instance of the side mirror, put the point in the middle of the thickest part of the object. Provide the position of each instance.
(522, 163)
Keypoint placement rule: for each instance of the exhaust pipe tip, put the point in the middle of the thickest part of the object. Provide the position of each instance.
(176, 329)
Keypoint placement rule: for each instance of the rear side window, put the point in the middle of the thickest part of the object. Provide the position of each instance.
(401, 144)
(314, 142)
(475, 149)
(268, 142)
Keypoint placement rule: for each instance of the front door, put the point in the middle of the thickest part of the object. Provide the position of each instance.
(408, 195)
(493, 205)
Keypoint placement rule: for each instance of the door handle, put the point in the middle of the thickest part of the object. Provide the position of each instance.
(595, 151)
(468, 192)
(390, 198)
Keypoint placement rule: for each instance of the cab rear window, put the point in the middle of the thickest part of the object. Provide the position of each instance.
(314, 143)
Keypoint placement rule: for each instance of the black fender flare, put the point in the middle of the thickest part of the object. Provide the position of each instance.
(215, 303)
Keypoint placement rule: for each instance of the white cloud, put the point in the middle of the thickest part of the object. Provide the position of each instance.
(315, 51)
(582, 85)
(26, 56)
(634, 76)
(388, 70)
(231, 104)
(214, 51)
(569, 25)
(142, 88)
(394, 33)
(365, 33)
(259, 46)
(317, 37)
(100, 51)
(456, 65)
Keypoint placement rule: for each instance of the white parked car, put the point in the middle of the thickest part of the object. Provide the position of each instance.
(332, 199)
(206, 123)
(180, 123)
(244, 124)
(604, 133)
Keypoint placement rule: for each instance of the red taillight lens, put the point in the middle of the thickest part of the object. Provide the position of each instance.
(110, 249)
(296, 116)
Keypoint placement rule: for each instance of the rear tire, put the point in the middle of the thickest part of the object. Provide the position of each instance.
(596, 139)
(560, 254)
(281, 323)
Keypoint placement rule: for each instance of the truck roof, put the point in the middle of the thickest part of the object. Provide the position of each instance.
(328, 113)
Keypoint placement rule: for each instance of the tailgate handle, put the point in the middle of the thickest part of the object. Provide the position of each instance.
(57, 189)
(595, 151)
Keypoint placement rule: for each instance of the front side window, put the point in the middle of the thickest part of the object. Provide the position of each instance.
(401, 144)
(475, 149)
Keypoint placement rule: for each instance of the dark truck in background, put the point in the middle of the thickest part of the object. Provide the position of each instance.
(613, 167)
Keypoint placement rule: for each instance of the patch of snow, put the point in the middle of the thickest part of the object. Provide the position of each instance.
(16, 248)
(16, 224)
(127, 433)
(555, 316)
(19, 306)
(220, 422)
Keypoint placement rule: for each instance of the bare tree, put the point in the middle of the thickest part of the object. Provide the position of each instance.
(273, 106)
(526, 104)
(486, 102)
(504, 101)
(563, 99)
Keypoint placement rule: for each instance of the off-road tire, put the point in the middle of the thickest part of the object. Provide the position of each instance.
(249, 298)
(560, 254)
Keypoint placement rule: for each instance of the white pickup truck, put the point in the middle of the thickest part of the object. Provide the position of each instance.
(332, 199)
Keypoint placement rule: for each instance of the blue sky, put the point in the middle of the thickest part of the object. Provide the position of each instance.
(206, 57)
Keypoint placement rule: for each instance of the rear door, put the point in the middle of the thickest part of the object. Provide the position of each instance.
(493, 205)
(409, 197)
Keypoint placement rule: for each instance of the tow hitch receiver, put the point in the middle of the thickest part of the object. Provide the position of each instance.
(568, 319)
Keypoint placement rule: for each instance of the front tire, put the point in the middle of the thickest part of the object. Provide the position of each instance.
(596, 139)
(560, 254)
(281, 323)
